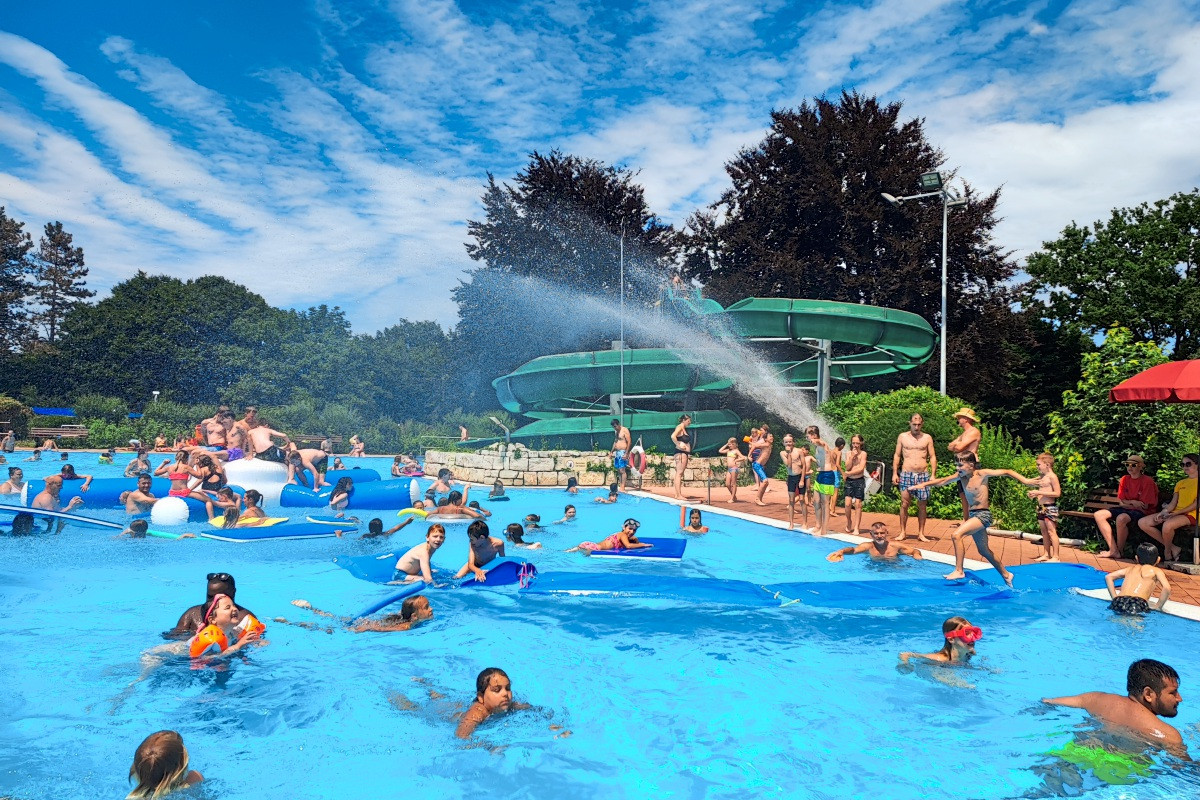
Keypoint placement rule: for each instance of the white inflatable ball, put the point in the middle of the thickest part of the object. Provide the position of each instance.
(170, 511)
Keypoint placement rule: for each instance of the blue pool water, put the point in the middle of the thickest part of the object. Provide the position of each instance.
(663, 699)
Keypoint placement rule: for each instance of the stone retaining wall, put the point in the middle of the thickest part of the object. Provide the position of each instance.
(520, 466)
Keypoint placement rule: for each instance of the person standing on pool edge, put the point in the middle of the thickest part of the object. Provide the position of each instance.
(974, 483)
(914, 462)
(1152, 691)
(620, 451)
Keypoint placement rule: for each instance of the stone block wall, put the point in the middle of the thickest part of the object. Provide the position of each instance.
(519, 466)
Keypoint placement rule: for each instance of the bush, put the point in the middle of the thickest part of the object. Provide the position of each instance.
(98, 406)
(17, 414)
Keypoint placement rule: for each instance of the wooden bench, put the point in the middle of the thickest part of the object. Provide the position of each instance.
(1097, 500)
(305, 438)
(65, 432)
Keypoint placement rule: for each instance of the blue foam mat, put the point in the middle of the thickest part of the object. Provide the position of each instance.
(671, 548)
(284, 530)
(692, 590)
(1045, 577)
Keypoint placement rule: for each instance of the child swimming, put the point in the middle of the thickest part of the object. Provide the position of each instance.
(693, 523)
(160, 766)
(960, 638)
(484, 549)
(516, 534)
(568, 515)
(414, 564)
(220, 626)
(493, 695)
(413, 611)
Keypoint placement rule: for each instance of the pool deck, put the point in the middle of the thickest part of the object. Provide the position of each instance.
(1185, 589)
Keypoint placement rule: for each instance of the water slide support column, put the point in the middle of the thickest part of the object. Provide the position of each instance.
(824, 354)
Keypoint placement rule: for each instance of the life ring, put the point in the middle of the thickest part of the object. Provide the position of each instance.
(204, 641)
(637, 459)
(416, 512)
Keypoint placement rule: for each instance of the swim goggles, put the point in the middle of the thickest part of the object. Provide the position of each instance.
(969, 634)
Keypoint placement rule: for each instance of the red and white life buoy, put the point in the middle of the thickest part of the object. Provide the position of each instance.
(637, 459)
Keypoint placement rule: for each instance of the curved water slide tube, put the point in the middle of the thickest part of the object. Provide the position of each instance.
(563, 393)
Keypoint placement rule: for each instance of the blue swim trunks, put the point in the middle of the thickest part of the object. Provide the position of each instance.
(758, 470)
(620, 460)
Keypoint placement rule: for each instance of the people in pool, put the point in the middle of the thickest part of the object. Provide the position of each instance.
(1151, 691)
(138, 529)
(68, 474)
(160, 766)
(398, 467)
(516, 534)
(219, 633)
(343, 490)
(305, 466)
(337, 464)
(375, 528)
(879, 548)
(573, 485)
(140, 464)
(474, 506)
(48, 498)
(415, 563)
(1139, 582)
(189, 621)
(253, 515)
(497, 490)
(23, 524)
(568, 515)
(455, 506)
(15, 483)
(960, 638)
(413, 611)
(493, 695)
(533, 521)
(483, 550)
(180, 474)
(624, 539)
(690, 522)
(610, 498)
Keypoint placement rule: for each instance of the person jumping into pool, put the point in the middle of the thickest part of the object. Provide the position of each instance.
(1152, 691)
(624, 539)
(1139, 583)
(189, 621)
(691, 522)
(974, 483)
(960, 638)
(484, 549)
(413, 611)
(622, 442)
(879, 548)
(160, 766)
(415, 564)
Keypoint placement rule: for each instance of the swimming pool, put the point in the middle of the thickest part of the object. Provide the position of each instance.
(663, 699)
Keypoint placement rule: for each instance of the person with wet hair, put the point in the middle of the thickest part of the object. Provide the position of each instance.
(484, 549)
(190, 621)
(160, 766)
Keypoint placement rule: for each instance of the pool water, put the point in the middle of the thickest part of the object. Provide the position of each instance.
(663, 699)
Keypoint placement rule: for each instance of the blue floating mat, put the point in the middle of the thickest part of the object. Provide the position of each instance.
(374, 495)
(287, 530)
(500, 572)
(1045, 577)
(330, 519)
(666, 549)
(504, 572)
(899, 593)
(714, 591)
(378, 568)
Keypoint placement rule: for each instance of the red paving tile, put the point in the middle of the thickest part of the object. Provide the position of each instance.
(1011, 552)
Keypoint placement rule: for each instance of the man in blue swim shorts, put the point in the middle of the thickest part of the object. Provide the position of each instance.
(620, 450)
(913, 463)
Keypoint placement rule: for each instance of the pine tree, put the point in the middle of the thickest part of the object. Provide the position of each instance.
(59, 279)
(15, 266)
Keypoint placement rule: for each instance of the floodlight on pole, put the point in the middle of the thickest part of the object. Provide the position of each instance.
(935, 185)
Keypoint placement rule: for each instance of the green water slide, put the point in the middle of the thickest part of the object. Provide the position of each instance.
(568, 395)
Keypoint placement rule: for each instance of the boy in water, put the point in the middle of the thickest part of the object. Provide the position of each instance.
(484, 549)
(413, 611)
(1139, 583)
(414, 565)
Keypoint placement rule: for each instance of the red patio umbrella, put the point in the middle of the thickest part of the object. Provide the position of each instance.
(1173, 382)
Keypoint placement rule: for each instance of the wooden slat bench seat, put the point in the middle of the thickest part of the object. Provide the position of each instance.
(305, 438)
(1097, 500)
(65, 432)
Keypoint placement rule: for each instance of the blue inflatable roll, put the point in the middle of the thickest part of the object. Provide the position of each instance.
(373, 495)
(106, 493)
(665, 549)
(286, 530)
(708, 591)
(898, 593)
(378, 568)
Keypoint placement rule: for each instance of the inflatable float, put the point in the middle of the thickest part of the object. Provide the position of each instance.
(662, 549)
(371, 495)
(285, 530)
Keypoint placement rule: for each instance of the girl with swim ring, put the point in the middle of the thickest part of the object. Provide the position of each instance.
(960, 638)
(693, 523)
(221, 626)
(624, 539)
(160, 766)
(683, 449)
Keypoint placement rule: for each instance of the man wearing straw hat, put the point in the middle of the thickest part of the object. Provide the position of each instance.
(967, 442)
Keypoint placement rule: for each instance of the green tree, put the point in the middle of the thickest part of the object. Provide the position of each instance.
(804, 218)
(1091, 436)
(59, 279)
(1137, 271)
(547, 241)
(15, 244)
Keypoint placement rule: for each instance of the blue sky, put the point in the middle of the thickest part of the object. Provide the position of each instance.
(331, 152)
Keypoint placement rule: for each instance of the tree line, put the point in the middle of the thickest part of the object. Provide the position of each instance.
(802, 217)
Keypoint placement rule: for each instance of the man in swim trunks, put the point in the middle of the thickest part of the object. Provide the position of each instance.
(415, 564)
(140, 500)
(307, 459)
(974, 482)
(236, 437)
(914, 461)
(879, 548)
(620, 451)
(760, 452)
(10, 442)
(1139, 583)
(1152, 691)
(965, 442)
(189, 621)
(826, 484)
(262, 438)
(796, 462)
(856, 483)
(1137, 494)
(15, 483)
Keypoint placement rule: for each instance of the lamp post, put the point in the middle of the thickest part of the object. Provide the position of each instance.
(934, 182)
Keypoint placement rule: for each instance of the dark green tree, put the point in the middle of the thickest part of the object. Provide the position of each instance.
(1137, 271)
(59, 279)
(15, 244)
(804, 218)
(547, 241)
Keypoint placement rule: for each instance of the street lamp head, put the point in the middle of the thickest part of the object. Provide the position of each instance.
(931, 181)
(890, 198)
